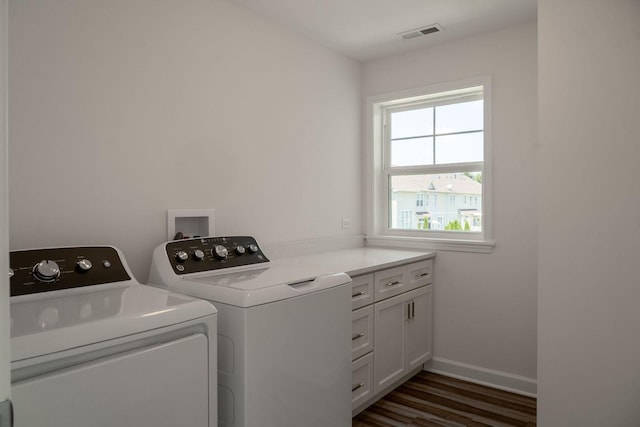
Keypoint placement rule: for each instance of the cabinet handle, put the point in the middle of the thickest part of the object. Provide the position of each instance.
(413, 309)
(397, 282)
(355, 337)
(357, 294)
(408, 311)
(423, 274)
(355, 387)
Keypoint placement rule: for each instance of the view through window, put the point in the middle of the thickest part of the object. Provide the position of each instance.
(434, 162)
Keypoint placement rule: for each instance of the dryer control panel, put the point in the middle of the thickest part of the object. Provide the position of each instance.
(42, 270)
(213, 253)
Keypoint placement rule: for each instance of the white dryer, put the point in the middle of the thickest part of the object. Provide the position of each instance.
(90, 346)
(284, 331)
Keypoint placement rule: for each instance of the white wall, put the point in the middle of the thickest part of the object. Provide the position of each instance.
(5, 357)
(122, 109)
(589, 233)
(485, 304)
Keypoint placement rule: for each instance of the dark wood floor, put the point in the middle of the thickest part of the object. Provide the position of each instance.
(430, 399)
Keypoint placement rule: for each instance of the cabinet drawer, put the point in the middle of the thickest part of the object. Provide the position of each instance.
(361, 291)
(390, 282)
(361, 332)
(361, 380)
(394, 281)
(420, 273)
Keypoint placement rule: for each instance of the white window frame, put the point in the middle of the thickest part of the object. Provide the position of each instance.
(378, 231)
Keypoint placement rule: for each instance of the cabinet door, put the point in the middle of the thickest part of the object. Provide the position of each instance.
(390, 317)
(402, 333)
(418, 328)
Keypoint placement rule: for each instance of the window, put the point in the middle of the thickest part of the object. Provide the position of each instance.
(404, 221)
(429, 145)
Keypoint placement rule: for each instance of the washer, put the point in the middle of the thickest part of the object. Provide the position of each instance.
(284, 331)
(90, 346)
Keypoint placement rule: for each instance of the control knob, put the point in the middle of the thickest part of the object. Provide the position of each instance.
(240, 250)
(220, 252)
(253, 248)
(198, 255)
(182, 256)
(84, 265)
(46, 271)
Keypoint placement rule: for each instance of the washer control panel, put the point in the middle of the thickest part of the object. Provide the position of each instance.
(213, 253)
(42, 270)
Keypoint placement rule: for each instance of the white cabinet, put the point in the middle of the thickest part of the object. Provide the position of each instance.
(361, 332)
(361, 291)
(362, 380)
(402, 326)
(397, 280)
(418, 329)
(391, 329)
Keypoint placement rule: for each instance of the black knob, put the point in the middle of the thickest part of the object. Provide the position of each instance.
(46, 271)
(84, 265)
(182, 256)
(220, 252)
(198, 255)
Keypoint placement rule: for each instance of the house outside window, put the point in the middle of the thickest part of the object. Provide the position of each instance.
(434, 143)
(404, 219)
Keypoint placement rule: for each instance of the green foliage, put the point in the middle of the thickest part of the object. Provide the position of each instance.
(475, 176)
(456, 226)
(453, 225)
(423, 224)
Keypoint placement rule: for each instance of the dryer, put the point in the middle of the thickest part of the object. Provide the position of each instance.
(284, 331)
(90, 346)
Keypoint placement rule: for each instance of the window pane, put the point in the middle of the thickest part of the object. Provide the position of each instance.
(466, 147)
(453, 202)
(406, 124)
(461, 117)
(412, 152)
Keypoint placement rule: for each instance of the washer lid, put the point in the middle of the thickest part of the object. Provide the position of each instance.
(56, 321)
(248, 288)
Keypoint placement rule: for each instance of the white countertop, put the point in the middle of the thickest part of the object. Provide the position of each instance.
(356, 261)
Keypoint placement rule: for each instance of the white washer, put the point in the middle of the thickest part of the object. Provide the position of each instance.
(90, 346)
(284, 331)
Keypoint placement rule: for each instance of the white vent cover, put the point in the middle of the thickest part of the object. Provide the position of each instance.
(419, 32)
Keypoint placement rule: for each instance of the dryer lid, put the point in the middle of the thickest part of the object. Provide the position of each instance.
(260, 286)
(58, 321)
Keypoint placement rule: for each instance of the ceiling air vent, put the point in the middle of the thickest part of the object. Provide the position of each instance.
(419, 32)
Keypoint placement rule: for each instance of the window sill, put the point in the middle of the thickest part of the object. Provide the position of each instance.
(476, 246)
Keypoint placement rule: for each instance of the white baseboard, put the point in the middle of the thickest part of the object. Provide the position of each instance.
(483, 376)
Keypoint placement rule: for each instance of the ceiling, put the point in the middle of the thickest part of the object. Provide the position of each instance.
(368, 29)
